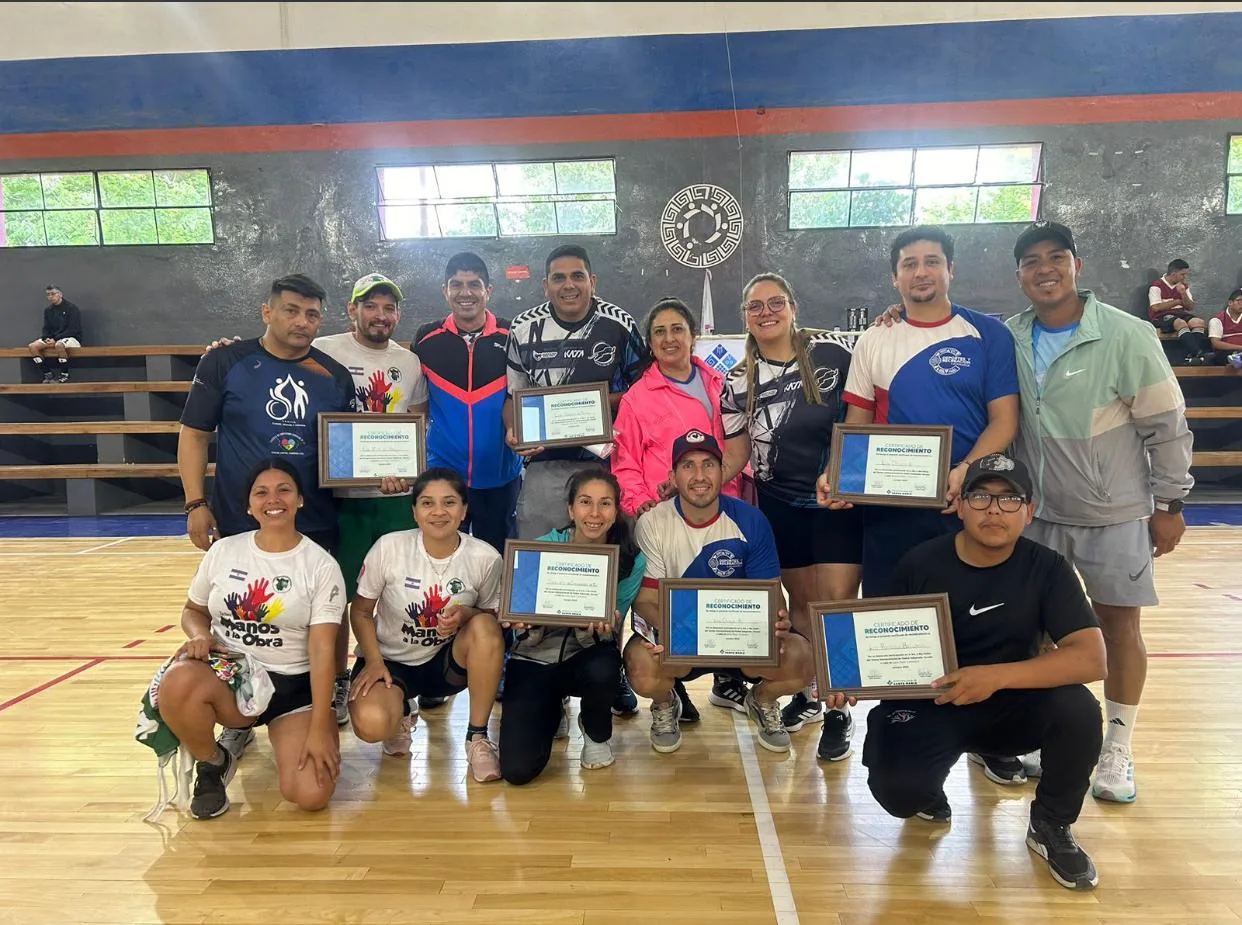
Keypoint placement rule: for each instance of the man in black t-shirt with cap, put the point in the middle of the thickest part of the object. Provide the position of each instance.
(1007, 697)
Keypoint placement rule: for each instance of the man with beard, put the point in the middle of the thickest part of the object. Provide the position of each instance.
(946, 365)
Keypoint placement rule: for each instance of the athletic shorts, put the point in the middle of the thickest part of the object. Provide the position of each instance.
(1164, 323)
(292, 694)
(813, 535)
(1115, 562)
(362, 521)
(439, 676)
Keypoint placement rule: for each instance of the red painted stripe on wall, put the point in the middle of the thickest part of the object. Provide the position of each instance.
(638, 127)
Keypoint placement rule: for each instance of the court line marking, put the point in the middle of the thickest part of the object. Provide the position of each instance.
(14, 701)
(116, 555)
(124, 539)
(769, 843)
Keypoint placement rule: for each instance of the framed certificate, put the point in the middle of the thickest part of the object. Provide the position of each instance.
(562, 415)
(719, 623)
(902, 465)
(883, 648)
(357, 450)
(558, 584)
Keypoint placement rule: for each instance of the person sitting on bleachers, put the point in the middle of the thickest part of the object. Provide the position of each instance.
(62, 328)
(1171, 309)
(1225, 331)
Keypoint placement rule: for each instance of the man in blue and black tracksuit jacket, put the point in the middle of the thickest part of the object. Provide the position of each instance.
(463, 358)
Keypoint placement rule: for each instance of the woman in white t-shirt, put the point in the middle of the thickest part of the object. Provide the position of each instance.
(425, 620)
(277, 596)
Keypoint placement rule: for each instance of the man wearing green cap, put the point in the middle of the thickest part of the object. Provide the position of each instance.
(388, 379)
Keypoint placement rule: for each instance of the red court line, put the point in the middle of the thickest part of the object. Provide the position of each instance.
(723, 123)
(52, 683)
(81, 658)
(134, 644)
(166, 628)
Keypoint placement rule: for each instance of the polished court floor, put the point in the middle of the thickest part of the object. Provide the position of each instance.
(720, 832)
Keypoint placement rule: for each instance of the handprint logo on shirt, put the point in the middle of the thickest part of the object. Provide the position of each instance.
(258, 604)
(378, 395)
(427, 614)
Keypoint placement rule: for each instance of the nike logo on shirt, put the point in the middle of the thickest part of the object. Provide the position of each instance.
(975, 612)
(1075, 372)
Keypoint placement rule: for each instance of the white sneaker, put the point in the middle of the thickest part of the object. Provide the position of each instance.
(398, 746)
(1032, 764)
(595, 755)
(562, 728)
(1114, 775)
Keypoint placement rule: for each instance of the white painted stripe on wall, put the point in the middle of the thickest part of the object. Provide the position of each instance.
(67, 30)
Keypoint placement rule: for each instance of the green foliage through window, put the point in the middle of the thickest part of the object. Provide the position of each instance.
(86, 209)
(498, 200)
(903, 186)
(1233, 177)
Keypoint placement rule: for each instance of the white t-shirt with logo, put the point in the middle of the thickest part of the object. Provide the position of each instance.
(264, 603)
(413, 589)
(387, 380)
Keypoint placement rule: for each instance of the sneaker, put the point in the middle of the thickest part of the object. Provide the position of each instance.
(340, 699)
(729, 693)
(939, 811)
(398, 746)
(626, 702)
(767, 716)
(1000, 769)
(802, 710)
(62, 376)
(562, 728)
(236, 741)
(210, 797)
(689, 712)
(595, 755)
(49, 377)
(1067, 862)
(665, 726)
(1114, 775)
(836, 742)
(1032, 765)
(484, 759)
(428, 703)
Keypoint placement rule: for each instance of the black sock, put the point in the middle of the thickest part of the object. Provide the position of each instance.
(64, 361)
(472, 731)
(1203, 343)
(38, 361)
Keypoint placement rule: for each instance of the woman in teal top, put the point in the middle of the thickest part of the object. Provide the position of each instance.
(549, 664)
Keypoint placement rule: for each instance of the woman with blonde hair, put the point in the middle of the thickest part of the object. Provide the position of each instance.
(779, 406)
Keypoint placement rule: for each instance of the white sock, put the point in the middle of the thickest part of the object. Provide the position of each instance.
(1121, 718)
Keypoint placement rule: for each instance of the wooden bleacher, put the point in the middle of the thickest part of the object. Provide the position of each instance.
(104, 441)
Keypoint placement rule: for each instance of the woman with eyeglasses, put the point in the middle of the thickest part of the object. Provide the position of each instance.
(779, 406)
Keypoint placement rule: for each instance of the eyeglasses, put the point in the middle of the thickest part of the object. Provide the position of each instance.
(982, 500)
(776, 305)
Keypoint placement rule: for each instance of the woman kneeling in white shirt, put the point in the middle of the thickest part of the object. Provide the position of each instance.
(419, 590)
(275, 595)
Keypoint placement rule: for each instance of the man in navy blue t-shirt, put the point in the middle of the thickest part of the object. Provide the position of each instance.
(262, 398)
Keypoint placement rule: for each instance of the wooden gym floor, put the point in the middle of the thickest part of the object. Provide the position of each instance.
(721, 832)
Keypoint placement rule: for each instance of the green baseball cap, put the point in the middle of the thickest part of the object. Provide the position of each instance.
(369, 282)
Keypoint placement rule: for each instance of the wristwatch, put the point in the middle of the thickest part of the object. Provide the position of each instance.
(1170, 507)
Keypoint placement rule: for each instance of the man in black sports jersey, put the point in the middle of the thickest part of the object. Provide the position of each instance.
(573, 338)
(1007, 697)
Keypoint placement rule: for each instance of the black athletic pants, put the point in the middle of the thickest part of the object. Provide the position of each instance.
(491, 514)
(912, 744)
(532, 706)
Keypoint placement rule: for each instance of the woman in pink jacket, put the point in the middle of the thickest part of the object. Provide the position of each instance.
(676, 393)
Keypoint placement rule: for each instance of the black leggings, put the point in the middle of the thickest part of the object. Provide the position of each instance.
(532, 706)
(911, 746)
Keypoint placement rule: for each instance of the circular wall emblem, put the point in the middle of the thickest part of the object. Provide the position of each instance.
(701, 226)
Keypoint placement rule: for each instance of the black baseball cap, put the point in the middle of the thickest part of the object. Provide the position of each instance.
(695, 441)
(999, 466)
(1044, 231)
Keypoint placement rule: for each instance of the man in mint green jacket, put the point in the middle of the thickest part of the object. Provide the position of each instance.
(1103, 430)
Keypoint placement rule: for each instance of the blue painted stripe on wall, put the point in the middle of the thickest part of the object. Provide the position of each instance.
(836, 67)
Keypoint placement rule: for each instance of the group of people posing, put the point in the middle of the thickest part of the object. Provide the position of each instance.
(1068, 425)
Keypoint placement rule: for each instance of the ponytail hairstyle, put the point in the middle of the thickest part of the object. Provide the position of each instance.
(621, 533)
(801, 345)
(668, 303)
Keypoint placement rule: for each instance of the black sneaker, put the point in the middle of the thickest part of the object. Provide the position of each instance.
(62, 376)
(939, 811)
(49, 377)
(729, 693)
(1068, 863)
(626, 702)
(689, 712)
(210, 797)
(836, 741)
(801, 710)
(425, 702)
(1001, 769)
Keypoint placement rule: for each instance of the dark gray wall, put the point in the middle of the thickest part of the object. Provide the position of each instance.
(1136, 196)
